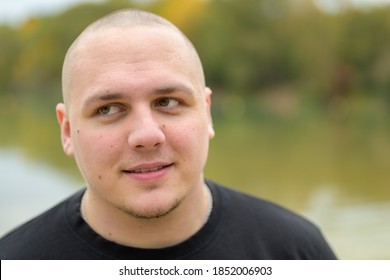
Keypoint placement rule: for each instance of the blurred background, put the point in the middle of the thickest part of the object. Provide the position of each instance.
(301, 106)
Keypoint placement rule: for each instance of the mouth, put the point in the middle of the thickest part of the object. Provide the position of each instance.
(149, 172)
(140, 170)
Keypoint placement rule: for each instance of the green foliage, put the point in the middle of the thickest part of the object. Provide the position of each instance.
(253, 48)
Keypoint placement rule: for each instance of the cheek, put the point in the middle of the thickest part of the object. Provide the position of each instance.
(93, 150)
(190, 139)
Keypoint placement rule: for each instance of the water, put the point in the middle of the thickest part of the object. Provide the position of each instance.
(28, 188)
(356, 230)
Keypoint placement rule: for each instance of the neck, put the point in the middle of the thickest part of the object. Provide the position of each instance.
(165, 231)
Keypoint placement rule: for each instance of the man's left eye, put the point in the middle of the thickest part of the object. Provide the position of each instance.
(168, 102)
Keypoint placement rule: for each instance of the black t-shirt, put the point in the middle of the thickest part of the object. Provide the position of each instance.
(239, 227)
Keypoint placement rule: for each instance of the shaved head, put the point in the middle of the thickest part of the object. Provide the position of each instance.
(122, 19)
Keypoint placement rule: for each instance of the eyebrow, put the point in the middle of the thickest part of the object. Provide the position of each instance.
(172, 89)
(101, 97)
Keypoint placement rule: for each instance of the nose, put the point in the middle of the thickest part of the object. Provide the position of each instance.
(146, 132)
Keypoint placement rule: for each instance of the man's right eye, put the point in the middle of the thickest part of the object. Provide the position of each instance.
(109, 110)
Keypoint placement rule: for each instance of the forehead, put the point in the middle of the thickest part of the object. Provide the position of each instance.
(130, 56)
(130, 48)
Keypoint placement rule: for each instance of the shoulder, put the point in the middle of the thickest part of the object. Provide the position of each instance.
(277, 231)
(238, 203)
(35, 237)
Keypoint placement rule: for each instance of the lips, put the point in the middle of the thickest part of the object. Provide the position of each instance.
(149, 172)
(146, 170)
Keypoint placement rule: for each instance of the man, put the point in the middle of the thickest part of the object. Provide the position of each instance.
(136, 117)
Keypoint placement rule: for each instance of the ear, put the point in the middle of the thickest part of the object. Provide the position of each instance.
(208, 93)
(64, 123)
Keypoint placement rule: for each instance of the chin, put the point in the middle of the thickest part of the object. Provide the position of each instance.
(156, 214)
(150, 210)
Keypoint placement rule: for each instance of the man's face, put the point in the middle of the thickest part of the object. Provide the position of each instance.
(138, 119)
